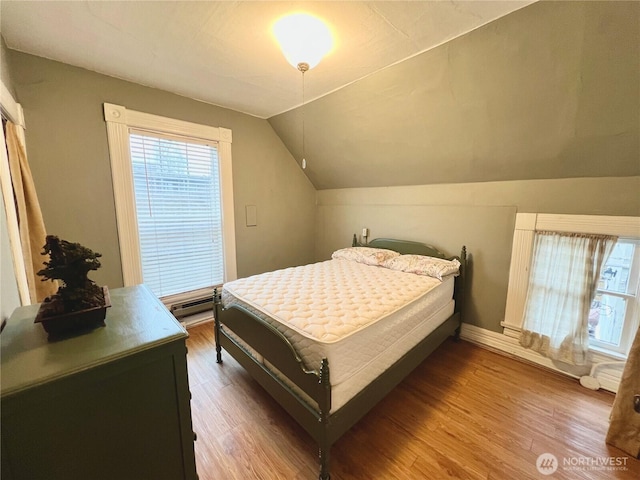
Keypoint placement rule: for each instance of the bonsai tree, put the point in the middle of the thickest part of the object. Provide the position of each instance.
(70, 263)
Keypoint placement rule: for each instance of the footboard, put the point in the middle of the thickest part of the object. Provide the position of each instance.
(278, 351)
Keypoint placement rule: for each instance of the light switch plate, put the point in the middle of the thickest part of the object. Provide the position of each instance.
(251, 215)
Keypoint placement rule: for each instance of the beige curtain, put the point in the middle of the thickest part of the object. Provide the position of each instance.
(32, 230)
(624, 429)
(564, 276)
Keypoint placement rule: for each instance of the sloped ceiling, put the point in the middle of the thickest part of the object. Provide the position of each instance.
(407, 98)
(222, 52)
(549, 91)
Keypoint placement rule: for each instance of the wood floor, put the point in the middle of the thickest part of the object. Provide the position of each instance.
(465, 413)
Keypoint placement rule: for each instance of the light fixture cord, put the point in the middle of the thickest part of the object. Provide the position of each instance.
(303, 67)
(303, 142)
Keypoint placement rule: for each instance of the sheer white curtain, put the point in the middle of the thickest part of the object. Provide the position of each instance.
(564, 275)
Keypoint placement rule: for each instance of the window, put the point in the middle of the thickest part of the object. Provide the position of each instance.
(174, 202)
(613, 313)
(177, 192)
(612, 317)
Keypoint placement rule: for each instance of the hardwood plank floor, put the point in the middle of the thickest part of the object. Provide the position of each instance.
(465, 413)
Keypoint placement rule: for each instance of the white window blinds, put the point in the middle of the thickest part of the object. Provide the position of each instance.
(179, 212)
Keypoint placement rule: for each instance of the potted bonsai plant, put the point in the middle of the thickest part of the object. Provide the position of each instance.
(79, 304)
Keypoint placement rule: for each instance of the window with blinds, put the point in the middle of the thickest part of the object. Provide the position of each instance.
(179, 212)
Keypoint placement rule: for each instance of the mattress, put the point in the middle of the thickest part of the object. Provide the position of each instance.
(362, 318)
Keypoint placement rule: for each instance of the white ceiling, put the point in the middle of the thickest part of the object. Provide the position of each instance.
(223, 52)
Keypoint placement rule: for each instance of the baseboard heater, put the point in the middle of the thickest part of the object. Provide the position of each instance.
(191, 307)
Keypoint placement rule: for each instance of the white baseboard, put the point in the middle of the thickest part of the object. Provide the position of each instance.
(608, 378)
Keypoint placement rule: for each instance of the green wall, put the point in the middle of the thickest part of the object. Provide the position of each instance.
(480, 216)
(5, 71)
(69, 158)
(536, 112)
(548, 91)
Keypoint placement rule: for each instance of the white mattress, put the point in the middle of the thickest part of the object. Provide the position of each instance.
(361, 318)
(344, 392)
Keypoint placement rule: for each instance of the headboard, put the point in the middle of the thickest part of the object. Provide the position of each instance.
(403, 246)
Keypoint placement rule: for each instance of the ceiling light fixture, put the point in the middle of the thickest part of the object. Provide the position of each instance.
(304, 40)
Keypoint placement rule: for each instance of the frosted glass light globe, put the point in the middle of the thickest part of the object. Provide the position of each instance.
(303, 38)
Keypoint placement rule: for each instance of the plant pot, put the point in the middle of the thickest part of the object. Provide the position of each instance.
(68, 324)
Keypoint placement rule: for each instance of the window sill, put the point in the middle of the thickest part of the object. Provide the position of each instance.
(600, 354)
(607, 355)
(507, 342)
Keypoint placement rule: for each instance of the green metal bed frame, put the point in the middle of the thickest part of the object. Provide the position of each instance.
(325, 427)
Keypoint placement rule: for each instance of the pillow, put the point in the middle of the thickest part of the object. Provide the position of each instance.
(422, 265)
(366, 255)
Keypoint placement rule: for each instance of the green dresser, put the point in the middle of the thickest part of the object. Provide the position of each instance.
(111, 404)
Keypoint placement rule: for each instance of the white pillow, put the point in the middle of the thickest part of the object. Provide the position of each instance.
(366, 255)
(423, 265)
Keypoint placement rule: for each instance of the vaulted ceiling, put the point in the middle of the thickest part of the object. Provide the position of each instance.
(223, 52)
(549, 91)
(414, 93)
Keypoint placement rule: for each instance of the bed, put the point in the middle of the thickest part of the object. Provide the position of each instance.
(329, 340)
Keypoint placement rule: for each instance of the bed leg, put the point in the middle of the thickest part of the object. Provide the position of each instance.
(324, 464)
(456, 335)
(218, 347)
(216, 323)
(325, 407)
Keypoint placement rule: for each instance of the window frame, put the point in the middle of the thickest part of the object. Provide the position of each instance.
(120, 121)
(13, 111)
(631, 318)
(522, 252)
